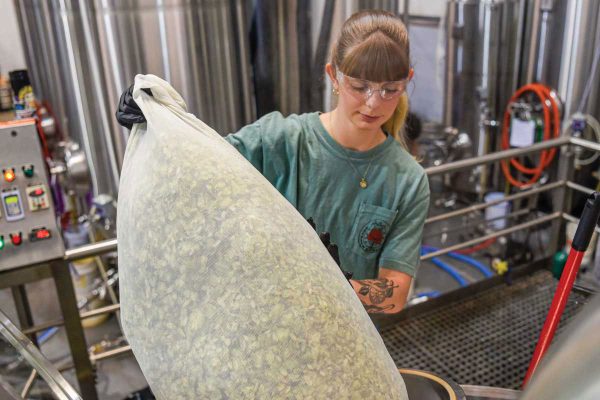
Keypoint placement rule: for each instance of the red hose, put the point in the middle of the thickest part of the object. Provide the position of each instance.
(42, 136)
(556, 309)
(551, 118)
(477, 247)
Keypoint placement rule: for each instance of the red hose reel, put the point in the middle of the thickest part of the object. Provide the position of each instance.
(551, 114)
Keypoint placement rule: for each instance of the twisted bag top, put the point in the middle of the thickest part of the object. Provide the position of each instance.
(226, 291)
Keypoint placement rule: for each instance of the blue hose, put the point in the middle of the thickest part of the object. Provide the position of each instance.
(447, 268)
(461, 257)
(433, 293)
(47, 334)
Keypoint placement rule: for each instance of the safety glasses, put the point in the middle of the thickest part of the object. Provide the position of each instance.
(363, 89)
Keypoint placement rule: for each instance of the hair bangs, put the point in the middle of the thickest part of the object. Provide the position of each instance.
(377, 59)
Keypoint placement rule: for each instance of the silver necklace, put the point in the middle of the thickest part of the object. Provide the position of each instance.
(363, 178)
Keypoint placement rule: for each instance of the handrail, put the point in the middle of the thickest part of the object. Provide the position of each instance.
(481, 206)
(497, 156)
(93, 249)
(588, 144)
(496, 234)
(572, 218)
(579, 188)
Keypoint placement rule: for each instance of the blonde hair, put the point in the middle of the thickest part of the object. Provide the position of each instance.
(373, 45)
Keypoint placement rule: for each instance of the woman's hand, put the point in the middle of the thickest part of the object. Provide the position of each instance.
(128, 112)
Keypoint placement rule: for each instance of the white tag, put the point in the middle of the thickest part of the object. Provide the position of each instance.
(522, 133)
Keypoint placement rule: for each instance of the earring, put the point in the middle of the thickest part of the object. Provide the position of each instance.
(335, 91)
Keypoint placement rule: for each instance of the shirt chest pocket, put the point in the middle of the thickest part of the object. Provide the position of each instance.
(370, 229)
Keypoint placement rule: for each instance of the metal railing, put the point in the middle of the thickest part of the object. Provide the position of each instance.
(499, 156)
(106, 246)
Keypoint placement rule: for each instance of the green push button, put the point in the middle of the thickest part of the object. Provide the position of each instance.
(28, 170)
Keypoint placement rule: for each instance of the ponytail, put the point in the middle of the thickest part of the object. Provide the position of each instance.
(394, 126)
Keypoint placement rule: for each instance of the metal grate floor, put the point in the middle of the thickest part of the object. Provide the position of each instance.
(487, 339)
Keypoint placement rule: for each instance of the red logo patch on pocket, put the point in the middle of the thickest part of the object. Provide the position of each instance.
(373, 235)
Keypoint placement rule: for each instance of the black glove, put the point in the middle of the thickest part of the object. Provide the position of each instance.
(128, 112)
(331, 248)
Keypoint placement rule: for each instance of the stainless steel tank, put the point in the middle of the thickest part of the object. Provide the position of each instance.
(561, 39)
(388, 5)
(53, 34)
(482, 44)
(83, 54)
(580, 44)
(200, 47)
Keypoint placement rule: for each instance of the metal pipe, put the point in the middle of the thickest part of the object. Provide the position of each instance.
(247, 100)
(406, 14)
(542, 48)
(588, 144)
(491, 392)
(533, 50)
(93, 249)
(481, 206)
(498, 156)
(502, 232)
(232, 93)
(560, 202)
(450, 61)
(101, 310)
(83, 315)
(579, 188)
(486, 221)
(29, 384)
(43, 326)
(579, 22)
(110, 353)
(571, 218)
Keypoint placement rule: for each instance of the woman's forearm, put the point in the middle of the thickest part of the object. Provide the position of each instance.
(386, 295)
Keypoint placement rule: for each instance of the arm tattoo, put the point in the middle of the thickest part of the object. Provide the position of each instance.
(376, 310)
(378, 291)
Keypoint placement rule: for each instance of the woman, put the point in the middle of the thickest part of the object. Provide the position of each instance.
(348, 169)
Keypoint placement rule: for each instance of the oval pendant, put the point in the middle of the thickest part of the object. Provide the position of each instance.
(363, 183)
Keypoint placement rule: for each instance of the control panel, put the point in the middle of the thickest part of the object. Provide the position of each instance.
(28, 228)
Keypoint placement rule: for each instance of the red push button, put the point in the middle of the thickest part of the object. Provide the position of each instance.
(39, 234)
(16, 239)
(37, 192)
(42, 234)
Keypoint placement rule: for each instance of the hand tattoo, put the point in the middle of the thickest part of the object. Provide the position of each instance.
(377, 289)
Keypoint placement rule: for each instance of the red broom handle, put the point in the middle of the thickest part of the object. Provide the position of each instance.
(556, 309)
(581, 240)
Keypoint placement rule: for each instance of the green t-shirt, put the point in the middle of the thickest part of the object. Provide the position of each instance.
(380, 226)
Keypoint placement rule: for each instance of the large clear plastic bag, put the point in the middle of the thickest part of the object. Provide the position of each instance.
(226, 291)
